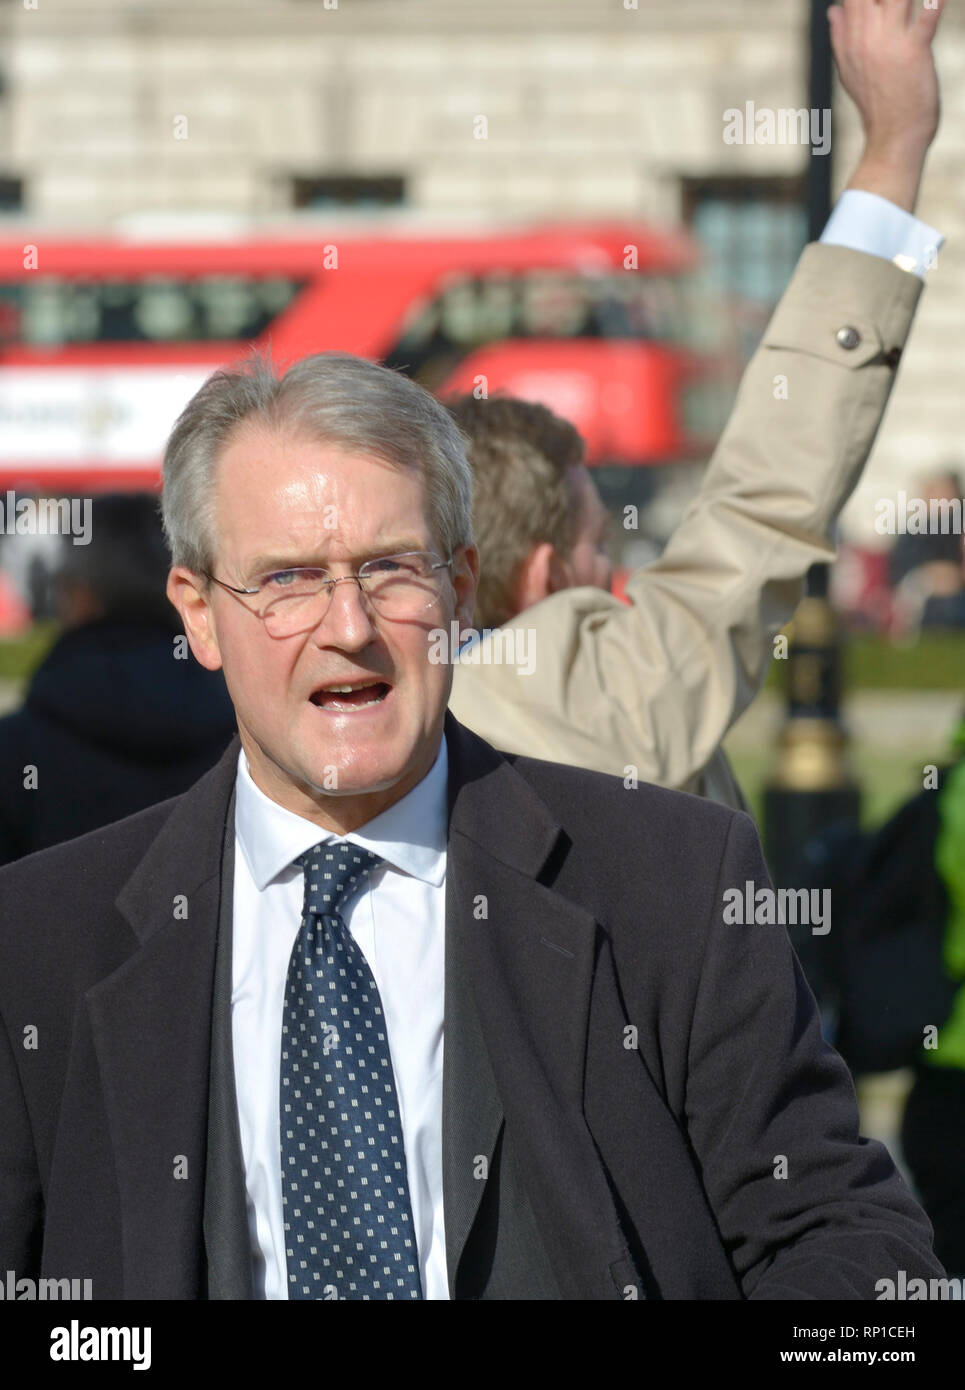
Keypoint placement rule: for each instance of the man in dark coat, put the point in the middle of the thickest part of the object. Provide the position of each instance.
(374, 1011)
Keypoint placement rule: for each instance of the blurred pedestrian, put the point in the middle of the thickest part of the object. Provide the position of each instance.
(119, 715)
(926, 567)
(895, 964)
(931, 549)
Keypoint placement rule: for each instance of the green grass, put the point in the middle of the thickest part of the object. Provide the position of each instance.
(935, 662)
(19, 656)
(886, 781)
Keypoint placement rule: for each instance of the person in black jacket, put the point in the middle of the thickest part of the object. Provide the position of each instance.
(893, 972)
(119, 715)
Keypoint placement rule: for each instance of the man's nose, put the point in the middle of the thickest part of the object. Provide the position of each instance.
(349, 621)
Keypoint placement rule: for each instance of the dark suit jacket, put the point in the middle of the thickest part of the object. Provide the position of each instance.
(624, 1073)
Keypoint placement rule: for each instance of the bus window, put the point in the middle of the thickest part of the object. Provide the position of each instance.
(470, 311)
(554, 306)
(164, 313)
(478, 311)
(52, 311)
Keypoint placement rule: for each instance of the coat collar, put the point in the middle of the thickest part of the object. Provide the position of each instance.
(489, 804)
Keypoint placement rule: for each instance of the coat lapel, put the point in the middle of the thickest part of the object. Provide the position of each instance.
(471, 1108)
(227, 1239)
(151, 1022)
(523, 956)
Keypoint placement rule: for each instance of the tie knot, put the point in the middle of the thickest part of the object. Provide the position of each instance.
(333, 872)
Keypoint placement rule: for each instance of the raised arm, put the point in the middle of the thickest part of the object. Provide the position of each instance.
(658, 684)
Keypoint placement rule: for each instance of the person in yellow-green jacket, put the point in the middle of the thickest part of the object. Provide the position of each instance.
(934, 1128)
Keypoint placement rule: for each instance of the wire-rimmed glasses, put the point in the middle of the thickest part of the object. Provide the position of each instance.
(399, 587)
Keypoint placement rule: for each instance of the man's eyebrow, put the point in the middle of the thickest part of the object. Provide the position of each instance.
(265, 564)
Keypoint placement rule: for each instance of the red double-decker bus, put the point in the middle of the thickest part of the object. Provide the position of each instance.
(102, 341)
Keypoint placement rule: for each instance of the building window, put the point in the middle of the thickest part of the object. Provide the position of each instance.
(11, 195)
(349, 191)
(752, 231)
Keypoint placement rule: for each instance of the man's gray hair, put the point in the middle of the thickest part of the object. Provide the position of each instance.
(332, 398)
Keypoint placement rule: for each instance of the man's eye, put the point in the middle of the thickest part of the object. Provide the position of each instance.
(280, 579)
(290, 579)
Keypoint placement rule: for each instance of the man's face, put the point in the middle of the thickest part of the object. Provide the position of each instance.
(283, 502)
(589, 561)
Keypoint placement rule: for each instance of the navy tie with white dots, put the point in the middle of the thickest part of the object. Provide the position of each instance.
(345, 1194)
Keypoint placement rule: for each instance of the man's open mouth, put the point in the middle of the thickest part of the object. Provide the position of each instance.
(350, 695)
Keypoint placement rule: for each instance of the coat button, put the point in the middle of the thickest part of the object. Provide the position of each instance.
(848, 338)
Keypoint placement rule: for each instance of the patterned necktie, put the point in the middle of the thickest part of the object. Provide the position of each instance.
(345, 1194)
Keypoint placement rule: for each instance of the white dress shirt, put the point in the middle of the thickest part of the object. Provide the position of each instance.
(869, 223)
(398, 921)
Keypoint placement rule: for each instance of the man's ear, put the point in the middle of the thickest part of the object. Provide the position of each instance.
(185, 590)
(542, 573)
(465, 580)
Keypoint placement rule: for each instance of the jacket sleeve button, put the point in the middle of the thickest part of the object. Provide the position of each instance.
(847, 338)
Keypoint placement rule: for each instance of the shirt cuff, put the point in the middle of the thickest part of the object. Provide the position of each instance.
(866, 222)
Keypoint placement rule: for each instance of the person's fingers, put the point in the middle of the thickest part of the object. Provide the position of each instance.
(863, 12)
(841, 40)
(902, 9)
(856, 13)
(927, 20)
(912, 13)
(855, 17)
(837, 21)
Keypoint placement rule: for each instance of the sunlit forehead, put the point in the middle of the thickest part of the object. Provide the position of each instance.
(288, 503)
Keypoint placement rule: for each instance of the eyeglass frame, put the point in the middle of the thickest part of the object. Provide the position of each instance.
(333, 581)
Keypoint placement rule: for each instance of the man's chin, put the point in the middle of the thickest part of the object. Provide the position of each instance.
(363, 772)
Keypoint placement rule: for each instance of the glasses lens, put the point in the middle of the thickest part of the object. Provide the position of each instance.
(398, 587)
(293, 599)
(401, 586)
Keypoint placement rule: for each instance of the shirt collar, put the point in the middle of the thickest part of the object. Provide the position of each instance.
(411, 834)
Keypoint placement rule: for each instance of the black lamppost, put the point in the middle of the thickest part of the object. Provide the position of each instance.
(811, 786)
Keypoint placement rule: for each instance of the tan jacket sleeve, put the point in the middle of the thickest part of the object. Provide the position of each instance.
(657, 684)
